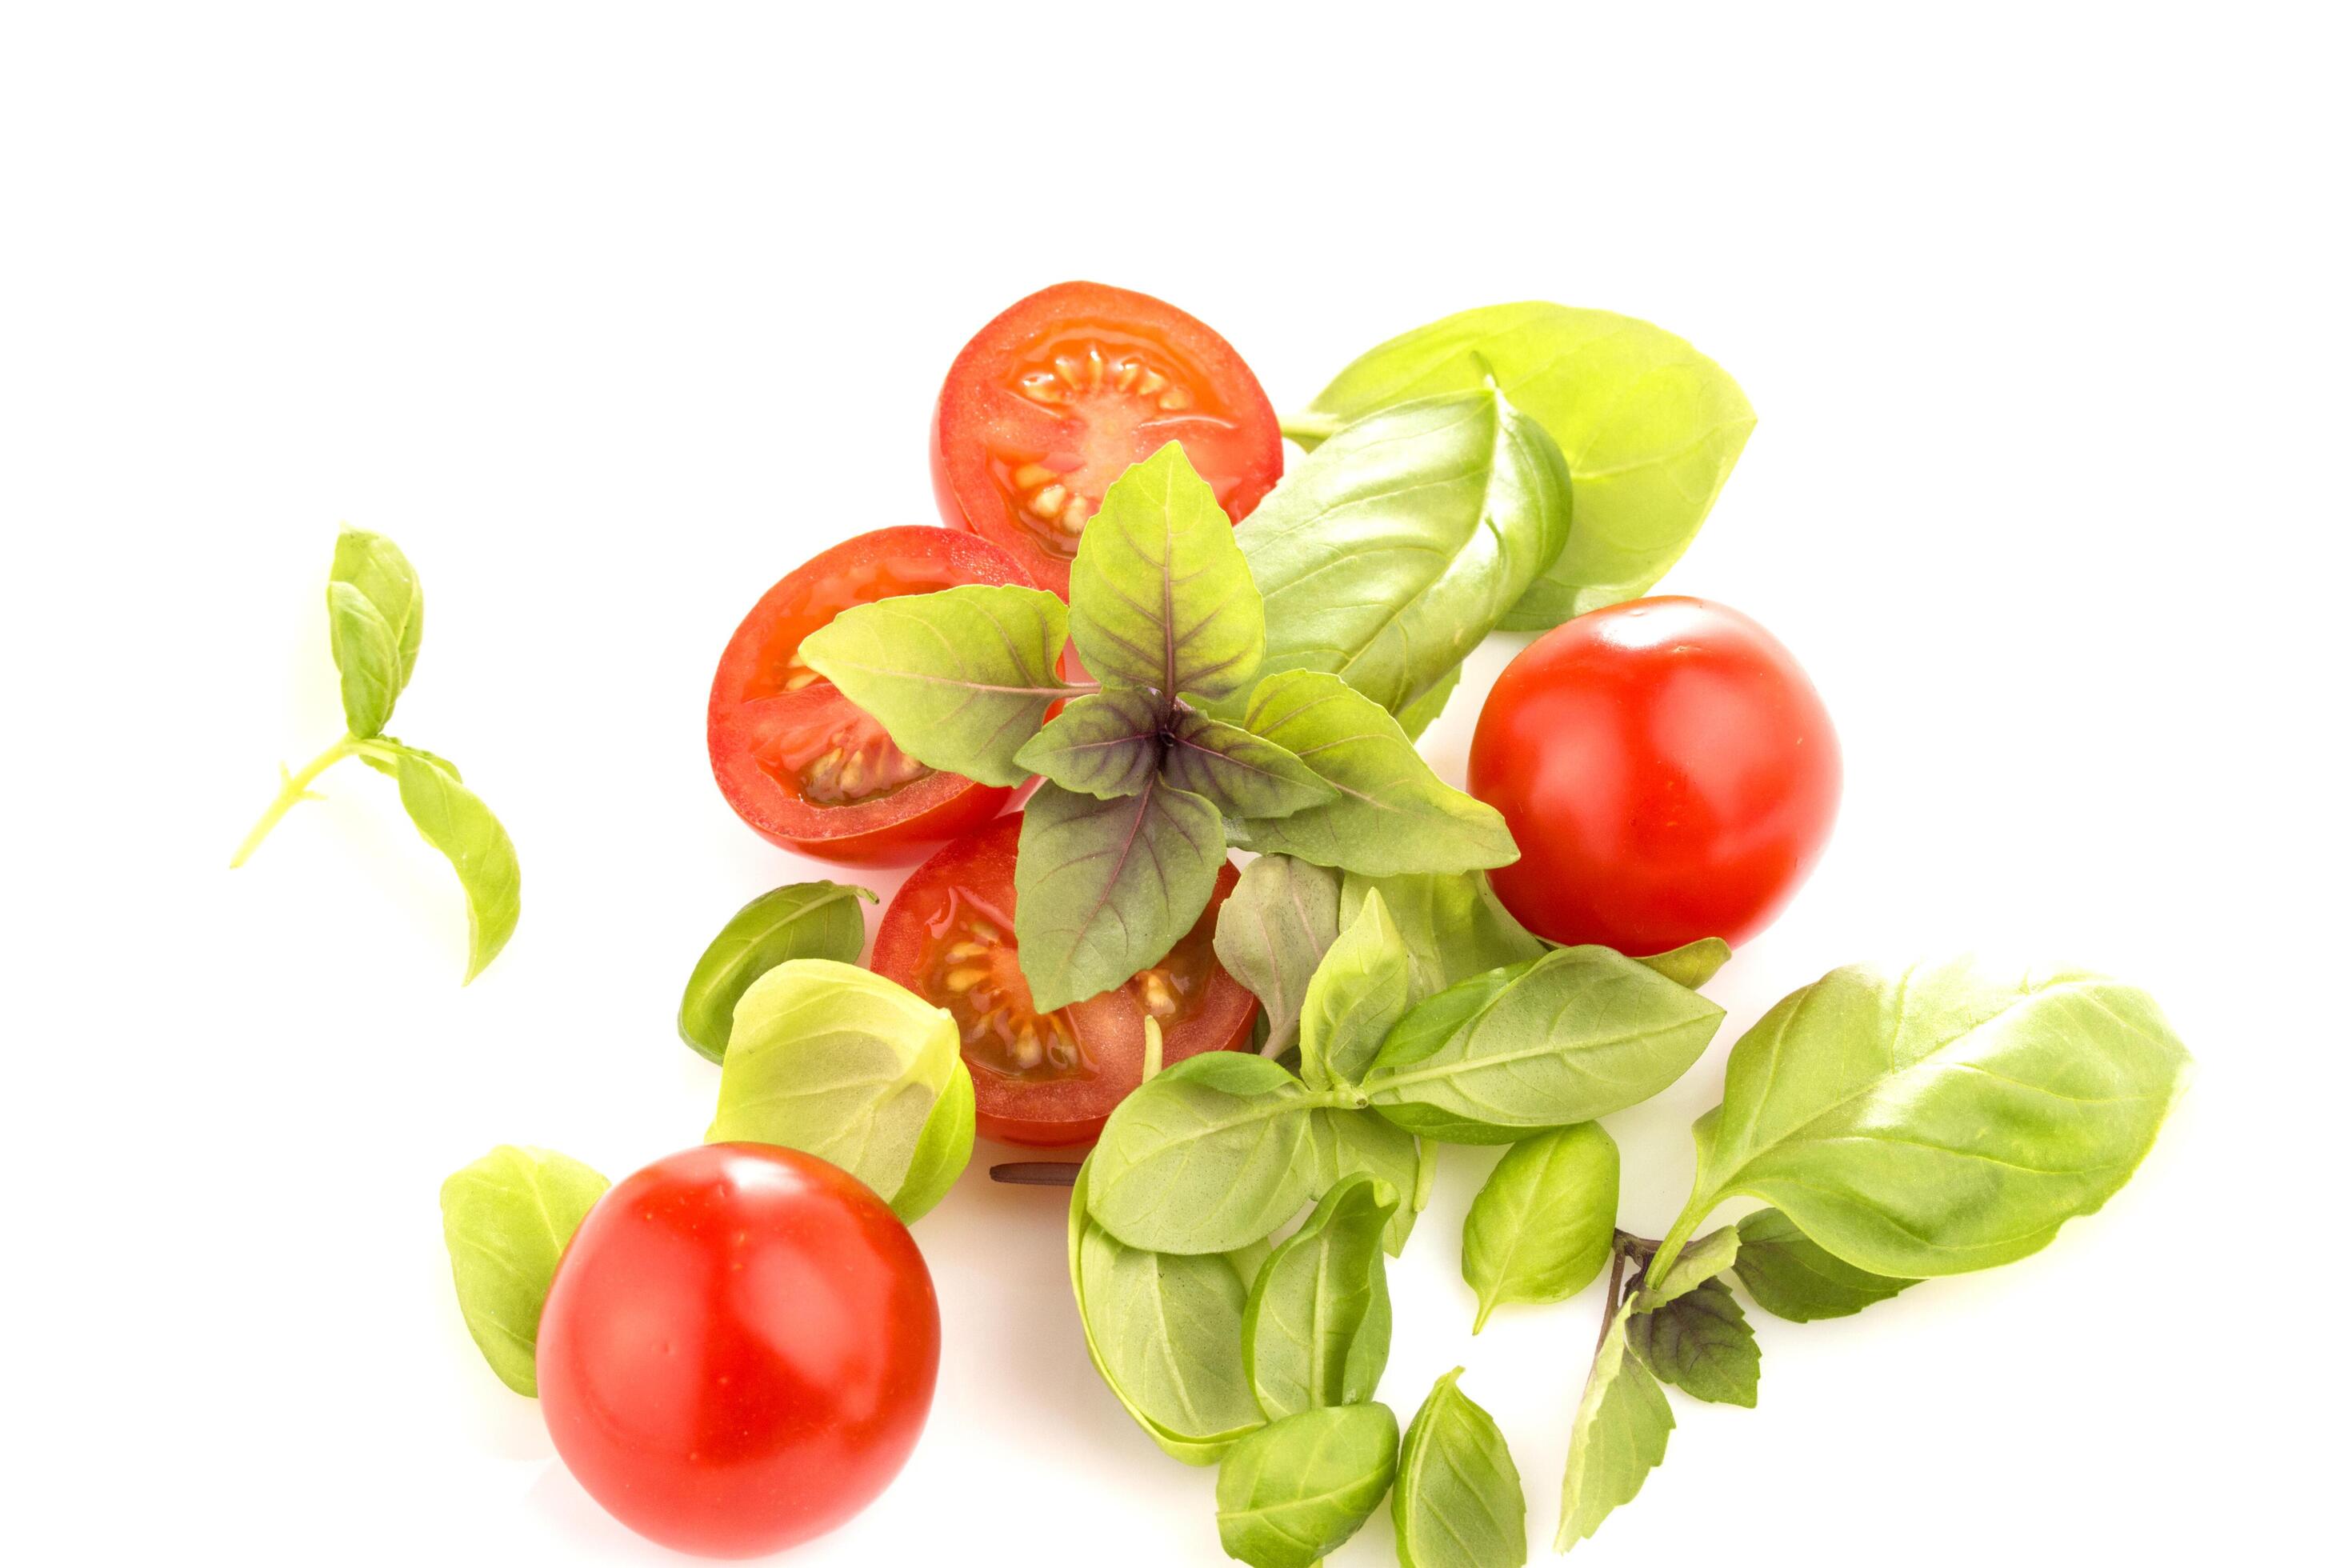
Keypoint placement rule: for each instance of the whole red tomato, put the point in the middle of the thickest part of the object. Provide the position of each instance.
(1667, 770)
(737, 1349)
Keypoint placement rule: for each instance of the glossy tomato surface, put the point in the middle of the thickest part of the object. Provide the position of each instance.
(802, 763)
(739, 1349)
(1049, 1081)
(1668, 771)
(1050, 402)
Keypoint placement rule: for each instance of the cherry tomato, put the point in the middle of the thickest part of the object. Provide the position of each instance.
(739, 1349)
(1667, 770)
(1052, 1079)
(1050, 402)
(802, 763)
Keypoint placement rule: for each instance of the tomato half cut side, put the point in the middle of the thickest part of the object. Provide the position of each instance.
(800, 762)
(1051, 401)
(1048, 1080)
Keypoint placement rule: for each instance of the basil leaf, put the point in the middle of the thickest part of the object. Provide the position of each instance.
(1457, 1502)
(1415, 718)
(1358, 994)
(1542, 1228)
(1939, 1119)
(942, 1149)
(960, 677)
(1316, 1330)
(838, 1062)
(506, 1218)
(1393, 549)
(1103, 889)
(1453, 925)
(1273, 932)
(1159, 595)
(1241, 774)
(376, 621)
(1650, 428)
(1343, 1143)
(1619, 1437)
(1700, 1342)
(1290, 1494)
(1694, 964)
(453, 819)
(1207, 1156)
(1790, 1276)
(1391, 814)
(1567, 1037)
(1703, 1260)
(1106, 744)
(804, 920)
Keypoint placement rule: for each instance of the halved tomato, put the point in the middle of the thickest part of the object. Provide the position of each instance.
(802, 763)
(1053, 400)
(1050, 1079)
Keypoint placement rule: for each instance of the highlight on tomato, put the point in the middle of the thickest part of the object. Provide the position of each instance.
(1048, 1080)
(800, 762)
(1051, 401)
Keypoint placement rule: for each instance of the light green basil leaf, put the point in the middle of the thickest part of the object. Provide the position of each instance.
(376, 621)
(1457, 1502)
(1290, 1494)
(1103, 889)
(1940, 1118)
(1541, 1227)
(1274, 927)
(1358, 994)
(453, 819)
(1694, 964)
(1650, 428)
(960, 679)
(1316, 1330)
(1619, 1437)
(1790, 1275)
(1159, 595)
(1711, 1255)
(1241, 774)
(1700, 1342)
(1207, 1156)
(507, 1218)
(1415, 718)
(1344, 1143)
(1392, 815)
(804, 920)
(1453, 925)
(1106, 744)
(942, 1149)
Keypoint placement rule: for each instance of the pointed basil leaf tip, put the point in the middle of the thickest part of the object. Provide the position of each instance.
(804, 919)
(1159, 595)
(1457, 1502)
(1342, 1143)
(1700, 1342)
(1703, 1260)
(1105, 745)
(1619, 1437)
(1541, 1227)
(839, 1062)
(1391, 814)
(1453, 925)
(1210, 1155)
(376, 621)
(1316, 1330)
(1272, 932)
(1358, 994)
(1239, 773)
(507, 1218)
(1290, 1494)
(1694, 964)
(960, 678)
(1103, 889)
(1649, 426)
(1393, 550)
(453, 819)
(1415, 718)
(1788, 1275)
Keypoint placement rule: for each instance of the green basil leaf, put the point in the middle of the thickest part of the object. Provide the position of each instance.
(1700, 1342)
(1274, 927)
(1316, 1330)
(1703, 1260)
(1694, 964)
(1457, 1502)
(1290, 1494)
(838, 1062)
(1453, 925)
(1415, 718)
(960, 679)
(1650, 428)
(942, 1149)
(1103, 889)
(1392, 815)
(376, 621)
(1106, 745)
(453, 819)
(1943, 1118)
(1619, 1437)
(1541, 1227)
(1159, 595)
(507, 1218)
(1790, 1276)
(1567, 1037)
(1241, 774)
(1343, 1143)
(1358, 994)
(804, 920)
(1207, 1156)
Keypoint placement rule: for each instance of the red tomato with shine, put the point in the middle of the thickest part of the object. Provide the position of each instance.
(1050, 402)
(1048, 1080)
(739, 1349)
(1668, 771)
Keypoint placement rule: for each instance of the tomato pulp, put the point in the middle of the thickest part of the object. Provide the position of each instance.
(739, 1349)
(1668, 771)
(1049, 1079)
(1051, 401)
(802, 765)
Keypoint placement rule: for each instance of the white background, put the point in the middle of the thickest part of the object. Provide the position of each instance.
(611, 316)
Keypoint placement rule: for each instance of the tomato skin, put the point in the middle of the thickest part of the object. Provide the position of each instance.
(739, 1349)
(1667, 770)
